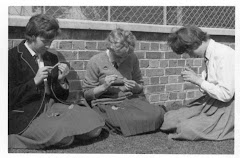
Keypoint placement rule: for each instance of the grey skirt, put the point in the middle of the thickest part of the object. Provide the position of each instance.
(58, 122)
(203, 119)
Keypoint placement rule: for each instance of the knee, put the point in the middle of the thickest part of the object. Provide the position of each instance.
(185, 127)
(95, 133)
(92, 134)
(65, 141)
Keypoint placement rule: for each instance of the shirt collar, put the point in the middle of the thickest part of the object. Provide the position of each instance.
(108, 54)
(209, 49)
(29, 49)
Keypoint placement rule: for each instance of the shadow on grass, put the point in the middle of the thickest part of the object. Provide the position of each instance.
(80, 142)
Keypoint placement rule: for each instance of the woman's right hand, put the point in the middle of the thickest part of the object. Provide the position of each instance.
(42, 74)
(109, 80)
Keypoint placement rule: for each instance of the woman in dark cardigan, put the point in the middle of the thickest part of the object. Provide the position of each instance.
(113, 86)
(37, 115)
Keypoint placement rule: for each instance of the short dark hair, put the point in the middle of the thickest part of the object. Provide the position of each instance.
(42, 25)
(187, 38)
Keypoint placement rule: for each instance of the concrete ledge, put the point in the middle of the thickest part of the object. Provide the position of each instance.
(21, 21)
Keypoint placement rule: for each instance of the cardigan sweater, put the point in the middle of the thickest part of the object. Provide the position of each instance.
(99, 66)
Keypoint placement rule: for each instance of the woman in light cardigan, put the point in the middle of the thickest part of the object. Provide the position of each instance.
(120, 105)
(211, 117)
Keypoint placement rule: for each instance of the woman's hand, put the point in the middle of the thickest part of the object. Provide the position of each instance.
(109, 80)
(42, 74)
(63, 71)
(190, 76)
(132, 86)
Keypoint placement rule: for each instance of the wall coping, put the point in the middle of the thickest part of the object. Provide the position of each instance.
(21, 21)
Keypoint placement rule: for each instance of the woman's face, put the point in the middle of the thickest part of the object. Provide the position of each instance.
(41, 45)
(197, 53)
(120, 52)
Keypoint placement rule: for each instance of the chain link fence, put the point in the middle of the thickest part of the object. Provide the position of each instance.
(202, 16)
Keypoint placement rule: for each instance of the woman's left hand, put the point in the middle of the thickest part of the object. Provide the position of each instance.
(131, 85)
(190, 76)
(63, 71)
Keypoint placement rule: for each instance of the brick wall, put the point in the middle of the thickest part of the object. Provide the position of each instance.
(161, 68)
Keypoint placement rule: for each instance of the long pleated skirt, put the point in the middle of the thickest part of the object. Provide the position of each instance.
(56, 123)
(203, 119)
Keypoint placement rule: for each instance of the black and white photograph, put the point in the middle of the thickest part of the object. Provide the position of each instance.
(104, 79)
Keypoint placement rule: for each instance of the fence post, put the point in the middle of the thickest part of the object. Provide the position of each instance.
(43, 9)
(164, 15)
(109, 13)
(179, 15)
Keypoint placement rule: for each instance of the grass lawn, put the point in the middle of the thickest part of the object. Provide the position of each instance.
(153, 143)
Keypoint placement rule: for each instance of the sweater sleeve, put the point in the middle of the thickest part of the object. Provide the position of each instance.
(91, 79)
(136, 73)
(57, 91)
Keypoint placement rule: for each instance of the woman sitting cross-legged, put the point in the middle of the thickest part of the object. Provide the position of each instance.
(37, 92)
(113, 86)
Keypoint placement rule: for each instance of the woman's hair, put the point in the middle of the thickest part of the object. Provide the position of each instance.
(42, 25)
(187, 39)
(122, 37)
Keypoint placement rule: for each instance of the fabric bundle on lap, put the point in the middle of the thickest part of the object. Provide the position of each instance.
(129, 116)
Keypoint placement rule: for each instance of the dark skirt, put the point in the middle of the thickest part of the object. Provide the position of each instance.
(130, 116)
(58, 122)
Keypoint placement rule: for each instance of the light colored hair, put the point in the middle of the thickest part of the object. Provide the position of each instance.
(124, 37)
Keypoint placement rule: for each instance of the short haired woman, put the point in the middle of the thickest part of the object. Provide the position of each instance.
(211, 117)
(37, 115)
